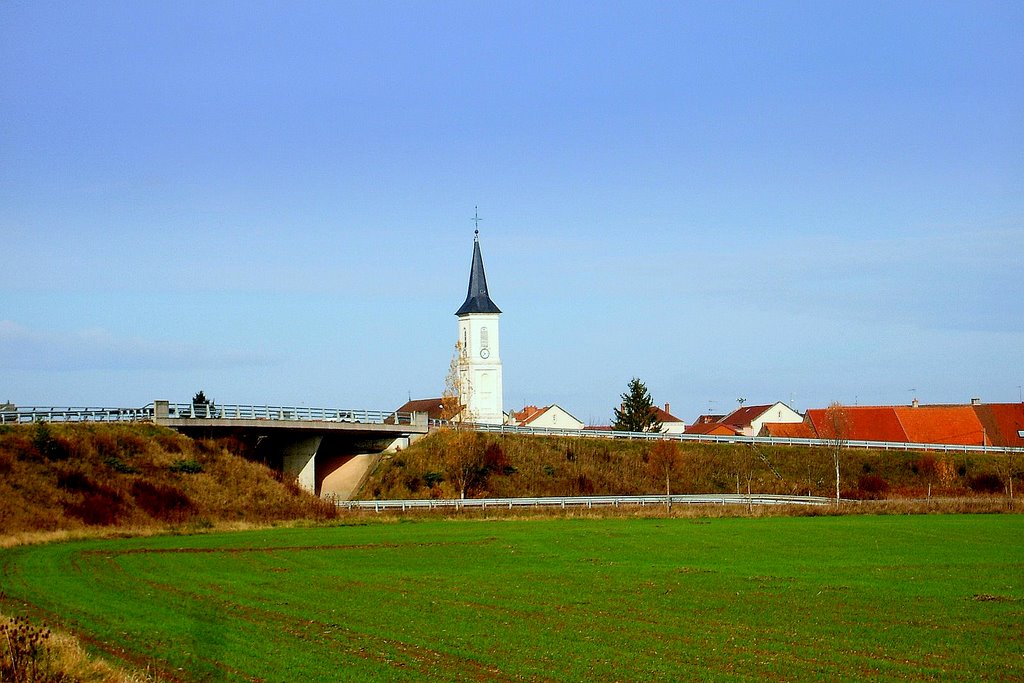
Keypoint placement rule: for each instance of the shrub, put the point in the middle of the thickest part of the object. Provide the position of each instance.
(74, 481)
(495, 459)
(102, 506)
(872, 486)
(47, 445)
(986, 483)
(118, 465)
(187, 467)
(161, 501)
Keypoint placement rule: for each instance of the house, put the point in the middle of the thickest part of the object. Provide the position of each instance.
(712, 429)
(748, 420)
(1003, 422)
(670, 424)
(548, 417)
(787, 430)
(433, 407)
(977, 424)
(861, 423)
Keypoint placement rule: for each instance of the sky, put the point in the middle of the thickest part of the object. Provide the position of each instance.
(273, 201)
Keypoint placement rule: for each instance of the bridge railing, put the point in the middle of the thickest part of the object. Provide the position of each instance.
(28, 414)
(582, 502)
(752, 440)
(295, 413)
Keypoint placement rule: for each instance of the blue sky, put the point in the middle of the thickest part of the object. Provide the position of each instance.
(797, 201)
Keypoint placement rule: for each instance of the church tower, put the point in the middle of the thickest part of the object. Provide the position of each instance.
(479, 348)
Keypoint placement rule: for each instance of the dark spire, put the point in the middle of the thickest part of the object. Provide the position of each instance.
(477, 300)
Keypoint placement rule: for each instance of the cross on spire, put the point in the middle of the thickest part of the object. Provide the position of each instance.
(476, 221)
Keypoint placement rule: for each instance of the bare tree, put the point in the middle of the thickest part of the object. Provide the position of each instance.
(837, 426)
(664, 460)
(464, 460)
(456, 390)
(1007, 467)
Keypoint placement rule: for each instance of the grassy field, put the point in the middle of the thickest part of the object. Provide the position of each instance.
(915, 597)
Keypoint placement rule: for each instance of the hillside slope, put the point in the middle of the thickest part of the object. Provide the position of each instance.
(71, 476)
(520, 465)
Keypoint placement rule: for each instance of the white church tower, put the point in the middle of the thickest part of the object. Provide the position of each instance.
(479, 348)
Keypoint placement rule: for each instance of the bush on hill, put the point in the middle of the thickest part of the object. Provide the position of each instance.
(68, 476)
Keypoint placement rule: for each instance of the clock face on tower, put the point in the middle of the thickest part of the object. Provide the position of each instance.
(484, 353)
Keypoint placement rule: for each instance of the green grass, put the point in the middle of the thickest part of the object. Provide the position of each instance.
(919, 597)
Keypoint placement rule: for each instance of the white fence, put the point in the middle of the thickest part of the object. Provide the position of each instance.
(579, 502)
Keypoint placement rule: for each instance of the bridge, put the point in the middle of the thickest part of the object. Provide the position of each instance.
(327, 450)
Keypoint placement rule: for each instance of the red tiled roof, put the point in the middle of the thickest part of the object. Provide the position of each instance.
(528, 414)
(864, 423)
(742, 417)
(431, 406)
(1002, 422)
(707, 419)
(955, 425)
(941, 424)
(663, 416)
(712, 429)
(788, 430)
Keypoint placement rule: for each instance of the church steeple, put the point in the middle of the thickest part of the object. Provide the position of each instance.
(477, 300)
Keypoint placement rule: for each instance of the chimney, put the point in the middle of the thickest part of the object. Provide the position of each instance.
(667, 410)
(976, 401)
(914, 403)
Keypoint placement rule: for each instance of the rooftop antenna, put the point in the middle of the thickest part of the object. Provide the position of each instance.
(741, 401)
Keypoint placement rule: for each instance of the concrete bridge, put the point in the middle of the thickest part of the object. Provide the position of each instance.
(328, 451)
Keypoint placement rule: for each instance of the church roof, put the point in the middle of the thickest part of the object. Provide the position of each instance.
(477, 300)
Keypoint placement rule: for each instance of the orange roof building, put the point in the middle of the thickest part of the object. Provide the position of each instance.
(978, 424)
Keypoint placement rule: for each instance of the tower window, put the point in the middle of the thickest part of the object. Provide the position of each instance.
(483, 338)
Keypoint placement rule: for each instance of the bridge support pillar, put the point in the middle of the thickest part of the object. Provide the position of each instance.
(299, 461)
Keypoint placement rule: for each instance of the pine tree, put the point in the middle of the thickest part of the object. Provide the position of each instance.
(637, 412)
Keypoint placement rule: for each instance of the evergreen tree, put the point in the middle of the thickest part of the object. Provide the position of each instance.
(637, 411)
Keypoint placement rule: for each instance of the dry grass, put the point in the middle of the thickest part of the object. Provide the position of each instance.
(58, 658)
(64, 478)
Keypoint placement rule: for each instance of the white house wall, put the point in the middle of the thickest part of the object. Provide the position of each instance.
(555, 418)
(779, 412)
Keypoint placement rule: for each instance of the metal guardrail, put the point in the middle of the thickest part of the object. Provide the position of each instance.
(578, 502)
(187, 411)
(753, 440)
